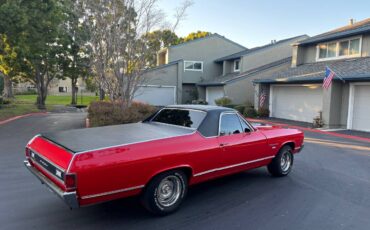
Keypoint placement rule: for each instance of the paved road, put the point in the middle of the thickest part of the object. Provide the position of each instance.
(329, 188)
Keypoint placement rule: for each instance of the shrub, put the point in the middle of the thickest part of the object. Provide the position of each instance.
(199, 102)
(262, 112)
(250, 112)
(102, 113)
(28, 92)
(240, 108)
(223, 101)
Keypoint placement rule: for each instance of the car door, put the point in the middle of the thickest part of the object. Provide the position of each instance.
(239, 142)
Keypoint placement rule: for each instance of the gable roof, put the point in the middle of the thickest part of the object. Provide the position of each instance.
(207, 37)
(231, 77)
(354, 69)
(251, 51)
(342, 32)
(163, 66)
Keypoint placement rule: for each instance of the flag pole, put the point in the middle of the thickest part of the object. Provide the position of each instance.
(336, 74)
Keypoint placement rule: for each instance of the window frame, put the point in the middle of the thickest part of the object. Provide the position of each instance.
(165, 108)
(193, 62)
(240, 118)
(337, 42)
(235, 69)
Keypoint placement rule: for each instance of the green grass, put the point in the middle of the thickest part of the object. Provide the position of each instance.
(24, 104)
(14, 109)
(57, 100)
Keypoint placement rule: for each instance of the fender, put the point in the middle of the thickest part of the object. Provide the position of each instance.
(183, 166)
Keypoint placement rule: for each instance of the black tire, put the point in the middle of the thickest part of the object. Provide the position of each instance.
(153, 196)
(277, 167)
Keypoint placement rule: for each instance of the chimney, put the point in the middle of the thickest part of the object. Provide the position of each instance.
(351, 21)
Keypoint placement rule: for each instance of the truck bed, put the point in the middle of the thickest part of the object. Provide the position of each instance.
(81, 140)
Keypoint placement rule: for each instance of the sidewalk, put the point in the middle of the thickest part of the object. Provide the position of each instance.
(348, 134)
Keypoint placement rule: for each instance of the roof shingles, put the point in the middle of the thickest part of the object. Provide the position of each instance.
(350, 69)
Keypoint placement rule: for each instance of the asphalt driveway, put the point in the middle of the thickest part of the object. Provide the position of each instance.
(329, 188)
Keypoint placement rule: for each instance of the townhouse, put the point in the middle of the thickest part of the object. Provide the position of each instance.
(297, 93)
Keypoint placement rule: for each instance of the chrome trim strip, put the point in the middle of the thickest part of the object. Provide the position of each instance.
(113, 192)
(33, 138)
(232, 166)
(122, 145)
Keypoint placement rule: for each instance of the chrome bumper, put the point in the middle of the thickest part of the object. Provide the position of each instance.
(70, 198)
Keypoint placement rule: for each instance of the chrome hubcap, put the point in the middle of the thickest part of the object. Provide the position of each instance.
(169, 191)
(285, 162)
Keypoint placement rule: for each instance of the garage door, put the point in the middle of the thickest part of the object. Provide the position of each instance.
(213, 93)
(361, 107)
(156, 95)
(298, 102)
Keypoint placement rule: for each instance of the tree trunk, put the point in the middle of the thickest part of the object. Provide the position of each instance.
(8, 87)
(41, 90)
(101, 94)
(74, 91)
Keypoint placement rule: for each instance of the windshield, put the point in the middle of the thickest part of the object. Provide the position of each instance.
(180, 117)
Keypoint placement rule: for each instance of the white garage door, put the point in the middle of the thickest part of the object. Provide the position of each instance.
(213, 93)
(296, 102)
(156, 95)
(361, 107)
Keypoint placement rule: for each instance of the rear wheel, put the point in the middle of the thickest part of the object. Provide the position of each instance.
(165, 192)
(282, 164)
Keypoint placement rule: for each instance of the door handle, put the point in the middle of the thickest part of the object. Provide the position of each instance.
(223, 144)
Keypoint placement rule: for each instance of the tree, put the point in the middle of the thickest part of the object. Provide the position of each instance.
(157, 40)
(75, 59)
(33, 28)
(196, 35)
(8, 62)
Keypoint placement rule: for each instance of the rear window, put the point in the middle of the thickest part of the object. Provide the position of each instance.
(180, 117)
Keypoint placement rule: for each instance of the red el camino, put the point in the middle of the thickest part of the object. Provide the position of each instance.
(158, 158)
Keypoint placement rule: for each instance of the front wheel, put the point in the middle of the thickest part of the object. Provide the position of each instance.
(165, 192)
(282, 164)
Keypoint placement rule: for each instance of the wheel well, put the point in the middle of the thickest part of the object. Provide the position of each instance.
(290, 144)
(187, 170)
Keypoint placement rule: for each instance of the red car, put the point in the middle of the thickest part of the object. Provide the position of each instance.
(158, 158)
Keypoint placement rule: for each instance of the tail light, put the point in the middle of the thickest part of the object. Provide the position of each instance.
(28, 153)
(70, 181)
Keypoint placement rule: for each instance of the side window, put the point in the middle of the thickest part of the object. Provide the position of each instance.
(230, 124)
(245, 127)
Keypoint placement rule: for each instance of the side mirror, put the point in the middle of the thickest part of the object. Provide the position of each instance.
(222, 133)
(246, 130)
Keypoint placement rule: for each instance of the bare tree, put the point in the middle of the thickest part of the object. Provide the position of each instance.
(120, 53)
(180, 13)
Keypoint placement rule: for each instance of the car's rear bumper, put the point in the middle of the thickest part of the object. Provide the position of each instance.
(70, 198)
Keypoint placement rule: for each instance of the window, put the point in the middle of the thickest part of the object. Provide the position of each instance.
(230, 124)
(180, 117)
(236, 65)
(245, 127)
(339, 49)
(62, 89)
(193, 66)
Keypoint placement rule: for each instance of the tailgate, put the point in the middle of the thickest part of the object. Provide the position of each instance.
(49, 158)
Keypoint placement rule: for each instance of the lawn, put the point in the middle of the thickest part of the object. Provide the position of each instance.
(24, 104)
(57, 100)
(15, 109)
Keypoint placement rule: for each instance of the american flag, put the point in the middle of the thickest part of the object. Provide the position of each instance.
(329, 75)
(262, 98)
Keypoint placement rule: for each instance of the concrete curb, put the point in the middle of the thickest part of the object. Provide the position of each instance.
(21, 116)
(312, 130)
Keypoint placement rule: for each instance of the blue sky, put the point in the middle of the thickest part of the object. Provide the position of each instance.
(255, 23)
